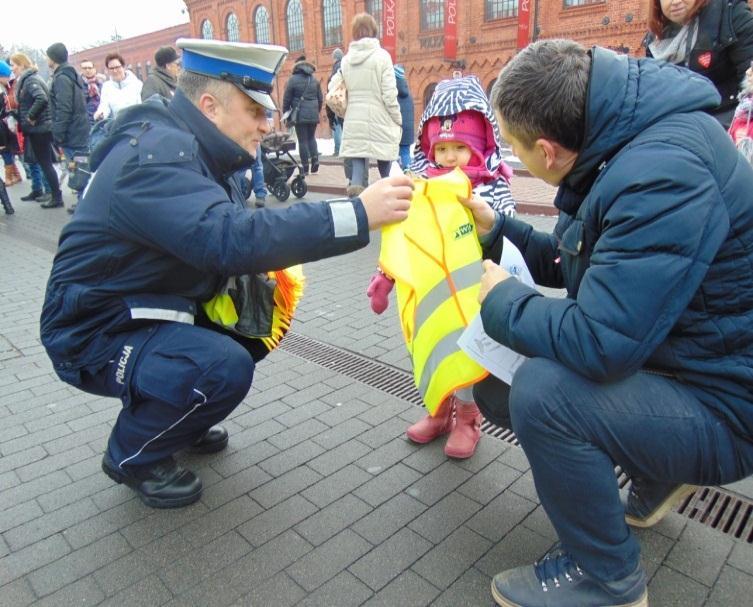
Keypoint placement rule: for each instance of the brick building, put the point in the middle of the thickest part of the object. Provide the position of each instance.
(138, 52)
(487, 32)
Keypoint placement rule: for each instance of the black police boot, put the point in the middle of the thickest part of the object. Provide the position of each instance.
(7, 206)
(213, 440)
(163, 484)
(55, 202)
(33, 195)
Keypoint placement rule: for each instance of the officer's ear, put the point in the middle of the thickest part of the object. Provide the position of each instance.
(210, 106)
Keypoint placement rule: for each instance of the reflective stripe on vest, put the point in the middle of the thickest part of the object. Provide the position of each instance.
(463, 278)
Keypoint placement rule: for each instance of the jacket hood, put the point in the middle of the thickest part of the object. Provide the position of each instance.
(303, 67)
(452, 97)
(24, 75)
(67, 70)
(360, 50)
(626, 96)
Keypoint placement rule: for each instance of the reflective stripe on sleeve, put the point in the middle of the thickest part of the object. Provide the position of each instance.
(344, 219)
(162, 314)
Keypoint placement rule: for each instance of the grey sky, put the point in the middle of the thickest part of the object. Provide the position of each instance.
(82, 23)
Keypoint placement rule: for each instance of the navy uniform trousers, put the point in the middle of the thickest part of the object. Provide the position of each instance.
(175, 381)
(574, 431)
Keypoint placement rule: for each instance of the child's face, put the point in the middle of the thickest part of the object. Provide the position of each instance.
(452, 154)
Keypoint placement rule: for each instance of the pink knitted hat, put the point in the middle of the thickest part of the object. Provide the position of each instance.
(468, 127)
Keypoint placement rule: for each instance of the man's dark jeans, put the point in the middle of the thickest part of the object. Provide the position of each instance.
(574, 431)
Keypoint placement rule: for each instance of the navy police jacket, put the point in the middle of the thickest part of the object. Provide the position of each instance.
(163, 225)
(654, 244)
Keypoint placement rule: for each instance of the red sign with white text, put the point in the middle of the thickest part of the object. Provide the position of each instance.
(451, 29)
(389, 27)
(524, 19)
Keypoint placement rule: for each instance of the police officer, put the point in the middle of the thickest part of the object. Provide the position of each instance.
(160, 228)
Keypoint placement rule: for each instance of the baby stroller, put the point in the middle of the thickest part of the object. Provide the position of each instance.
(279, 165)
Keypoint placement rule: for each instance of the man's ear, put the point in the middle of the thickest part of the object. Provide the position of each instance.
(209, 106)
(548, 149)
(556, 156)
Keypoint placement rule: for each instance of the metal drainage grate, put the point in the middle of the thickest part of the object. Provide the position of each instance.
(711, 506)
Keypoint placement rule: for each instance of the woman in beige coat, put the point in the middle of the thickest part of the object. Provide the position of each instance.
(372, 125)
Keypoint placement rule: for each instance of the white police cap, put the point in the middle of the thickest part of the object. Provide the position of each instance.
(250, 67)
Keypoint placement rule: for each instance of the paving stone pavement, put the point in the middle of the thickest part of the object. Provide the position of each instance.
(318, 500)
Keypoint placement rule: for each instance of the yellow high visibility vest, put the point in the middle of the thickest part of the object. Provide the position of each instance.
(288, 290)
(435, 258)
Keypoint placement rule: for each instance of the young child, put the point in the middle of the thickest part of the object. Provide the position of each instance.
(457, 130)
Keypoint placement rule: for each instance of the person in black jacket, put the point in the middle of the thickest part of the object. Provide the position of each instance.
(35, 117)
(70, 121)
(713, 38)
(303, 99)
(164, 79)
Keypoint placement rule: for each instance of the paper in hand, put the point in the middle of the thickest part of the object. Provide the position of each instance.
(499, 360)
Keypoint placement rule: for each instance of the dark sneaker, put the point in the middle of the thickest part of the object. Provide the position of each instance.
(163, 484)
(213, 440)
(33, 195)
(46, 197)
(649, 501)
(556, 580)
(259, 202)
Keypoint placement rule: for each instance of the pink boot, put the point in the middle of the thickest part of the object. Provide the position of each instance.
(467, 431)
(427, 429)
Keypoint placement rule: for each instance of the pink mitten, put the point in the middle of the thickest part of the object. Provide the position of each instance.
(379, 288)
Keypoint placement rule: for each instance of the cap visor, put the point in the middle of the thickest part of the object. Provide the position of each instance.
(261, 98)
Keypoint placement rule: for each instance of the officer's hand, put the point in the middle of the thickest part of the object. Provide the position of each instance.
(483, 214)
(492, 276)
(387, 200)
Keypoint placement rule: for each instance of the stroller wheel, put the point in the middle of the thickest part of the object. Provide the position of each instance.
(299, 187)
(282, 191)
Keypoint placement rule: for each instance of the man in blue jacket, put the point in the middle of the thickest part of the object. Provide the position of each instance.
(648, 362)
(161, 228)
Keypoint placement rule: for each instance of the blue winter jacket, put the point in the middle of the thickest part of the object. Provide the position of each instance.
(654, 244)
(163, 225)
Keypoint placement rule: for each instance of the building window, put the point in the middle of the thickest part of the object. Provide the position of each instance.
(374, 8)
(295, 25)
(261, 26)
(333, 23)
(500, 9)
(571, 3)
(207, 31)
(432, 15)
(233, 28)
